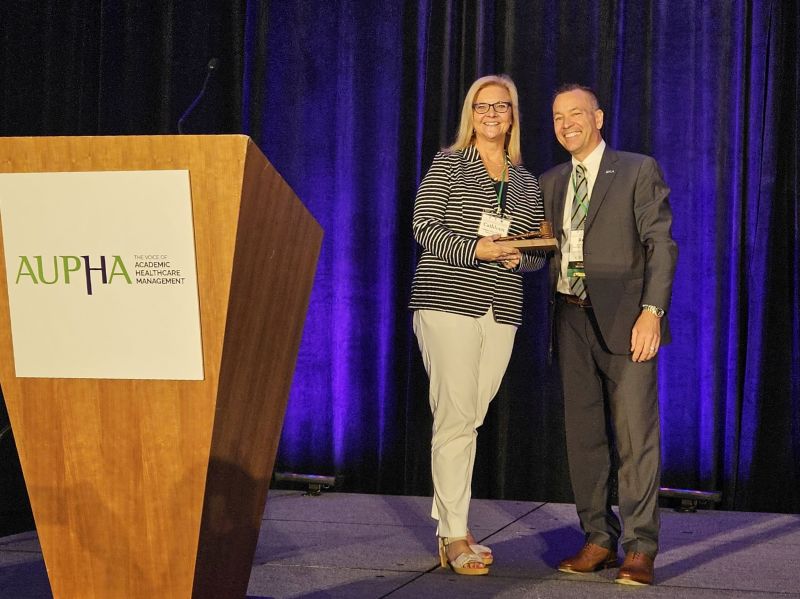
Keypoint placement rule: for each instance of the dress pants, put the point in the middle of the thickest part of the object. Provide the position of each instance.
(466, 359)
(597, 383)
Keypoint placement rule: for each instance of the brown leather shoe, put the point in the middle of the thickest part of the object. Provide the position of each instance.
(637, 569)
(590, 558)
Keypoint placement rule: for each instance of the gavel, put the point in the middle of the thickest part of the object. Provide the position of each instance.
(545, 232)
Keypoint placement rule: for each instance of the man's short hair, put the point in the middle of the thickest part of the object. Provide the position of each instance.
(571, 87)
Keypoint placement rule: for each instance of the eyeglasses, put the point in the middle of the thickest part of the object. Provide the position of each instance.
(483, 107)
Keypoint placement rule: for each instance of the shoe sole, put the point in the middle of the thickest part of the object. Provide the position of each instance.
(568, 571)
(479, 572)
(629, 582)
(597, 569)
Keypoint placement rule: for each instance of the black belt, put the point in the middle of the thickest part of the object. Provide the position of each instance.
(574, 300)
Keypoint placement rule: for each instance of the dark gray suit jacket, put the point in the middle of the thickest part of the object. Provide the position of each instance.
(629, 253)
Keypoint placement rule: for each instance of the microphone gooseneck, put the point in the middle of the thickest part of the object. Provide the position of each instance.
(211, 67)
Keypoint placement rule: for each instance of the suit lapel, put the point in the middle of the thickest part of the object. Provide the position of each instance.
(605, 175)
(474, 167)
(560, 198)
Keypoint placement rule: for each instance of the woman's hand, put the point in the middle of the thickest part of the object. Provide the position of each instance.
(512, 263)
(488, 250)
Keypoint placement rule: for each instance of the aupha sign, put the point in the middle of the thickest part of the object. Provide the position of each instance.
(101, 274)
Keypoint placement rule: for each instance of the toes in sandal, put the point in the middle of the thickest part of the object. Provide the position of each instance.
(484, 552)
(461, 564)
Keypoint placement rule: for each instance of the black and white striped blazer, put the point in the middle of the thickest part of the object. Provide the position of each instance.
(447, 213)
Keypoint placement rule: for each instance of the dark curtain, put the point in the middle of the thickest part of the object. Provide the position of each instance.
(350, 100)
(118, 67)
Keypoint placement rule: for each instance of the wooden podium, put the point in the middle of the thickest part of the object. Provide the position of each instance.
(156, 488)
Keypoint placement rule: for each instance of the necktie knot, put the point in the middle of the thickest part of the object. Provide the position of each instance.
(581, 193)
(580, 171)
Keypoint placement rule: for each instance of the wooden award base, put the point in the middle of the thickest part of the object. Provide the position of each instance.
(530, 245)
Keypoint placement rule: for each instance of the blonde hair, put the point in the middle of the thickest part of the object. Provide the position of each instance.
(466, 131)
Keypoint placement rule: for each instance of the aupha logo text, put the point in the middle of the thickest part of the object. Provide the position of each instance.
(39, 270)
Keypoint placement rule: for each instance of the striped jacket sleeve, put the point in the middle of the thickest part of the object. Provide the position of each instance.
(428, 221)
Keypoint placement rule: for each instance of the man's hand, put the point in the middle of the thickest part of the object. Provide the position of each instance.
(645, 337)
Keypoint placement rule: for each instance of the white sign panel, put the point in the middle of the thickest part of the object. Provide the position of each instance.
(101, 275)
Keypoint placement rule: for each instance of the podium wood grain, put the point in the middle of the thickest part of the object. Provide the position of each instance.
(145, 488)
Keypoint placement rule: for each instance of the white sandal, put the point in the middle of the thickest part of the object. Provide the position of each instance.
(460, 565)
(484, 552)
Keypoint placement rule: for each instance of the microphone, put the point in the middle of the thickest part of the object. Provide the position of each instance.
(211, 67)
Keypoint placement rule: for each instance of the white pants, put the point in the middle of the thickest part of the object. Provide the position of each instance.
(465, 359)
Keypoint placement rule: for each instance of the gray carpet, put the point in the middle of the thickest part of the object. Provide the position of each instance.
(371, 546)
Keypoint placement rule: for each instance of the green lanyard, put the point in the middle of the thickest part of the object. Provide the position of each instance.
(500, 189)
(584, 204)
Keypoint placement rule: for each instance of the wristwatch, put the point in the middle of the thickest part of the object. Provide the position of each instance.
(653, 310)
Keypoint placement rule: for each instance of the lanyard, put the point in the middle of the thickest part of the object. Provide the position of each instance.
(583, 204)
(500, 189)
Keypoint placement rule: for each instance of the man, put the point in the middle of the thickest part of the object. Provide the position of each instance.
(613, 275)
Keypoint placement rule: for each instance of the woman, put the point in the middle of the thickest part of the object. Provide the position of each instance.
(467, 293)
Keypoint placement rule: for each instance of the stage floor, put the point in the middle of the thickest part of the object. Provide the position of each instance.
(369, 546)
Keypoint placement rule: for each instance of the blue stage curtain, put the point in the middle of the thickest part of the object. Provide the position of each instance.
(351, 99)
(351, 103)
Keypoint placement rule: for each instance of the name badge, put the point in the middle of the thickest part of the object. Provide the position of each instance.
(493, 224)
(576, 245)
(575, 254)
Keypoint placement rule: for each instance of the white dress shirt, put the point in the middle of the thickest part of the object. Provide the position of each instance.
(592, 165)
